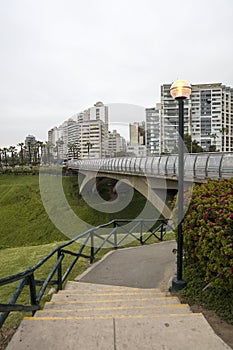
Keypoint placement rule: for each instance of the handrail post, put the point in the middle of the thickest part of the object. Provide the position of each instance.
(161, 230)
(141, 241)
(115, 234)
(59, 272)
(92, 248)
(32, 287)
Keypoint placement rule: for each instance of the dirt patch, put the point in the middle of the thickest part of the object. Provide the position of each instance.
(223, 329)
(5, 337)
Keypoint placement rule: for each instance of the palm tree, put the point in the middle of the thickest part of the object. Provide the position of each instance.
(212, 148)
(5, 150)
(74, 149)
(12, 150)
(89, 146)
(29, 149)
(21, 152)
(1, 153)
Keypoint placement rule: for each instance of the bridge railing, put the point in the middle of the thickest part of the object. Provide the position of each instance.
(197, 165)
(111, 235)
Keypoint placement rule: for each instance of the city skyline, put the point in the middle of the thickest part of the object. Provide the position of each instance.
(58, 58)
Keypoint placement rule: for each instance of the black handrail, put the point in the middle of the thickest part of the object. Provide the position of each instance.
(116, 227)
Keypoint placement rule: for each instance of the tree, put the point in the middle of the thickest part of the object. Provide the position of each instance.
(74, 149)
(1, 153)
(192, 146)
(12, 149)
(21, 152)
(89, 146)
(5, 150)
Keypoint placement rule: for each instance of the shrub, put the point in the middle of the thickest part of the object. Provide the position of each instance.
(208, 231)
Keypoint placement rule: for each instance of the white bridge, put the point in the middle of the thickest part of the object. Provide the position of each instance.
(155, 177)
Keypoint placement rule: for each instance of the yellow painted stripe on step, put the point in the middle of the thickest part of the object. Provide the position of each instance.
(108, 294)
(78, 283)
(113, 308)
(107, 301)
(72, 318)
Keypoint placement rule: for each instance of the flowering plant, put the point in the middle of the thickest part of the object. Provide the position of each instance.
(208, 231)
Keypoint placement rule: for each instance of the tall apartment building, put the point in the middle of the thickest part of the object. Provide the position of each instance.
(29, 140)
(60, 138)
(153, 130)
(93, 132)
(87, 131)
(92, 139)
(208, 117)
(169, 120)
(137, 145)
(114, 143)
(137, 133)
(212, 116)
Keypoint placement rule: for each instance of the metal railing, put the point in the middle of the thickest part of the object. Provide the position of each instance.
(113, 233)
(197, 165)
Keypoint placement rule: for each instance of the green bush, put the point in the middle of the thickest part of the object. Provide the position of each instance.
(208, 231)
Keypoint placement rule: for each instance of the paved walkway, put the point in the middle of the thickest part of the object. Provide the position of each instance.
(106, 308)
(148, 266)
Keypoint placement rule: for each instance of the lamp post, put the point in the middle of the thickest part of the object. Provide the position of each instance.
(180, 90)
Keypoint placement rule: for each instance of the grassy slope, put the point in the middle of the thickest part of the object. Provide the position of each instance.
(24, 221)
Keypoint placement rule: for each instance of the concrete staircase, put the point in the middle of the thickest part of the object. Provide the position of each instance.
(89, 316)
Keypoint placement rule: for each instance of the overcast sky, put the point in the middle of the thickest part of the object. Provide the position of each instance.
(59, 57)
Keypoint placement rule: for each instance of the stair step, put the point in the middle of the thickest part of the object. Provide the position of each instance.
(72, 304)
(106, 317)
(173, 331)
(72, 285)
(115, 311)
(109, 292)
(99, 297)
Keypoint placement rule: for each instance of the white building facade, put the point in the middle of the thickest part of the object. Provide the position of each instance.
(85, 135)
(208, 117)
(153, 130)
(93, 132)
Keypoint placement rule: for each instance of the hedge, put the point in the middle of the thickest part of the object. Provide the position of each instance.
(208, 231)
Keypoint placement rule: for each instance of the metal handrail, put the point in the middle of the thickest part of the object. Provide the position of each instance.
(196, 165)
(123, 227)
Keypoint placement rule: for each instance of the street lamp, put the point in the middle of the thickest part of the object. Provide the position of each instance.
(180, 90)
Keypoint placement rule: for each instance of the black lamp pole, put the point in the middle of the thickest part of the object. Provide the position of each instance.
(178, 283)
(180, 90)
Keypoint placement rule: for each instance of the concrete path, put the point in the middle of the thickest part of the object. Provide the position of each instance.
(106, 316)
(149, 266)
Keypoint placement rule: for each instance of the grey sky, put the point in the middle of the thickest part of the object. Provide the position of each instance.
(58, 57)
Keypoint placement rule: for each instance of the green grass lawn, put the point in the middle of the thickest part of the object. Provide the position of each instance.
(24, 221)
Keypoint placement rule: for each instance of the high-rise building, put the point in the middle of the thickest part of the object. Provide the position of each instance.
(153, 130)
(84, 135)
(212, 116)
(29, 140)
(114, 143)
(170, 120)
(137, 133)
(208, 117)
(137, 145)
(93, 132)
